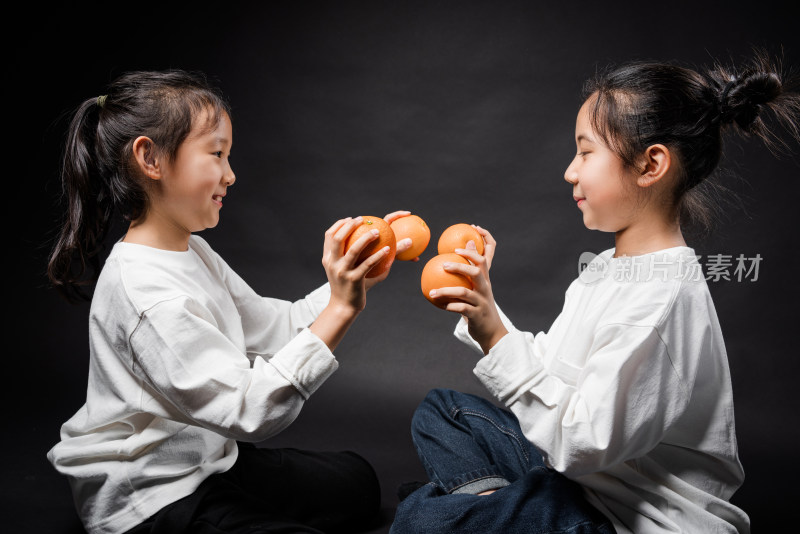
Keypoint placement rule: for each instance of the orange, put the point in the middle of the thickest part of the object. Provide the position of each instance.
(385, 237)
(434, 277)
(414, 227)
(456, 236)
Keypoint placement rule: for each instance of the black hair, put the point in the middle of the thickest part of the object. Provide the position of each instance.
(98, 174)
(689, 110)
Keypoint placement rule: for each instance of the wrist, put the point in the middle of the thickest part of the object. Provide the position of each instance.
(333, 322)
(342, 310)
(493, 339)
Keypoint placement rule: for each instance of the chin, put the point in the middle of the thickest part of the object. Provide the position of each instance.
(205, 226)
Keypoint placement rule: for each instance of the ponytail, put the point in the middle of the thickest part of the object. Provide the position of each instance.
(78, 246)
(98, 174)
(644, 103)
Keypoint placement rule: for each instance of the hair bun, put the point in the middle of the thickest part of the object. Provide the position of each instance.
(741, 98)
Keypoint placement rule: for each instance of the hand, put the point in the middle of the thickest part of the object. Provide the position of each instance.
(402, 246)
(476, 305)
(347, 281)
(489, 245)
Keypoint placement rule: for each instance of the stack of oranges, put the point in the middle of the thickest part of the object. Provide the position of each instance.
(434, 276)
(412, 226)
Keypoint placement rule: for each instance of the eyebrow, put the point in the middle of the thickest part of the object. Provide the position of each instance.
(583, 137)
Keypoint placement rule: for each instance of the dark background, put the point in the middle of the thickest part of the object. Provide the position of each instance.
(457, 111)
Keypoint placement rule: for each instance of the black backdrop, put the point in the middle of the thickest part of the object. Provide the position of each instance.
(457, 111)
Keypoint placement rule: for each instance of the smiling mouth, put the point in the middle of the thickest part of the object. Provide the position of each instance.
(217, 199)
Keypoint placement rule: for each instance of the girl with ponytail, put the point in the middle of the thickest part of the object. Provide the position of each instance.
(188, 365)
(619, 418)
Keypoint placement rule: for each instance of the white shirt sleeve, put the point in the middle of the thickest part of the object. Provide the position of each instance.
(178, 350)
(268, 323)
(586, 417)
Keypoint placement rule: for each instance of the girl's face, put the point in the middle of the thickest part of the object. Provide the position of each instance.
(601, 184)
(197, 179)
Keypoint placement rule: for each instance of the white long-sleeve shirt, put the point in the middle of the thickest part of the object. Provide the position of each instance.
(185, 358)
(629, 393)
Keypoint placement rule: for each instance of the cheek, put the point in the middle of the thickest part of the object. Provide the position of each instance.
(205, 182)
(606, 184)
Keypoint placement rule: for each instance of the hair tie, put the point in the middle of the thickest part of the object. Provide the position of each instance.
(101, 100)
(723, 96)
(724, 110)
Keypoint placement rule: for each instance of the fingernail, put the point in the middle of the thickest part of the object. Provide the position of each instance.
(447, 265)
(470, 244)
(359, 218)
(375, 233)
(406, 241)
(432, 293)
(386, 248)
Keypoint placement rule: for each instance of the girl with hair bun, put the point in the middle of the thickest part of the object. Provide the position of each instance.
(620, 417)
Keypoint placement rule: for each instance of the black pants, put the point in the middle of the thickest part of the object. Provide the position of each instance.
(277, 491)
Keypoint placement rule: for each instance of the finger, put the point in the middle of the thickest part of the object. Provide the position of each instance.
(331, 249)
(340, 235)
(404, 244)
(461, 308)
(335, 226)
(395, 215)
(471, 254)
(358, 247)
(375, 279)
(460, 293)
(489, 245)
(487, 236)
(347, 228)
(371, 261)
(476, 274)
(370, 282)
(462, 268)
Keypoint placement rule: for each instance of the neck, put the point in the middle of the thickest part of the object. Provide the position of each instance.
(156, 231)
(648, 236)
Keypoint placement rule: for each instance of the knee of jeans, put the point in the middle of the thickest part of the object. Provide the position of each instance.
(433, 407)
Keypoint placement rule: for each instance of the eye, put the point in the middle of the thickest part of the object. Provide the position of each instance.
(218, 153)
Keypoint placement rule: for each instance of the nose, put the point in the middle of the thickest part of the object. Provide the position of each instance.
(571, 174)
(229, 177)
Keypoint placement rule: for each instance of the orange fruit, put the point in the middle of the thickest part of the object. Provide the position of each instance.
(414, 227)
(385, 237)
(456, 236)
(434, 277)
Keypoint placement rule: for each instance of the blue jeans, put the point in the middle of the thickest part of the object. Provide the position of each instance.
(468, 445)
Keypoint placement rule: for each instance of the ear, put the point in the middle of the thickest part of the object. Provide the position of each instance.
(657, 162)
(144, 151)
